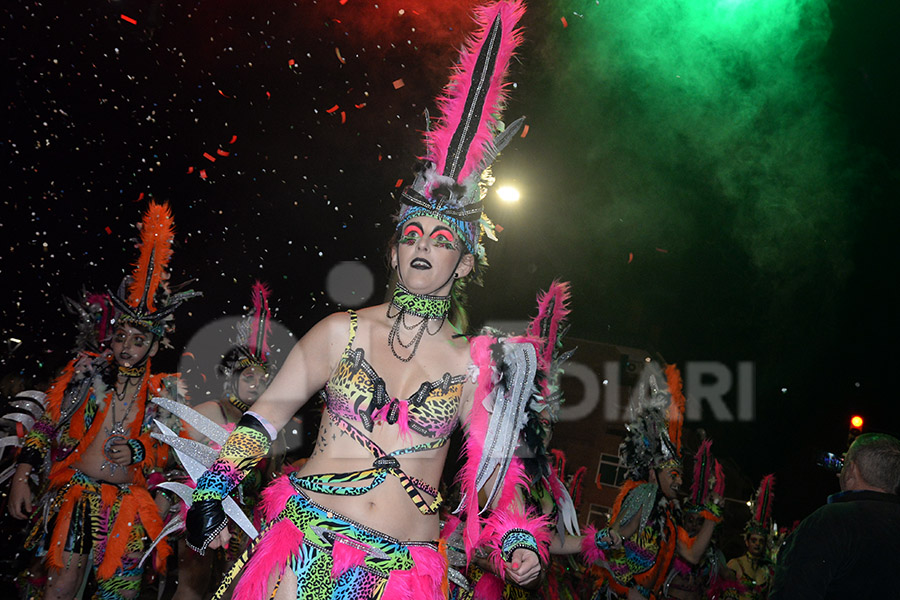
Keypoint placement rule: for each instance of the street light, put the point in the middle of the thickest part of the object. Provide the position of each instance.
(508, 194)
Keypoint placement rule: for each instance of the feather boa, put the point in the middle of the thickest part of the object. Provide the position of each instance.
(589, 549)
(281, 542)
(552, 310)
(427, 580)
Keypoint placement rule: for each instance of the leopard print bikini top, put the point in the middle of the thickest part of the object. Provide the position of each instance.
(357, 393)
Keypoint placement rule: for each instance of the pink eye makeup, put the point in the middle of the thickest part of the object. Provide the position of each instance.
(443, 238)
(410, 234)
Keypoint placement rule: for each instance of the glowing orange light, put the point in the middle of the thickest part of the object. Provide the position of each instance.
(856, 421)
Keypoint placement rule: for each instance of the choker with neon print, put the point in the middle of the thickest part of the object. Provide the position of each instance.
(238, 403)
(137, 371)
(420, 305)
(426, 308)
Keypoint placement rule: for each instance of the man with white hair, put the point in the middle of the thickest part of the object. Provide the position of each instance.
(849, 548)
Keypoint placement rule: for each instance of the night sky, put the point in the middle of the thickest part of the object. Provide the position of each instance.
(716, 178)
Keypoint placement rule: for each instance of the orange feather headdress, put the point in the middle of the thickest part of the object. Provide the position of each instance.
(147, 301)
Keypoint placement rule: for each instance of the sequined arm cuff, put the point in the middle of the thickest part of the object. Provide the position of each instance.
(514, 539)
(138, 452)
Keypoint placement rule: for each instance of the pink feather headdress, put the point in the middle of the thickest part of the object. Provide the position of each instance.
(252, 342)
(761, 521)
(468, 135)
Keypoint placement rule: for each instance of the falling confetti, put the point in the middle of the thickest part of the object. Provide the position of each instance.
(129, 19)
(398, 83)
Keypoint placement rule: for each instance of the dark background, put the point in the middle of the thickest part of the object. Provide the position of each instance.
(685, 226)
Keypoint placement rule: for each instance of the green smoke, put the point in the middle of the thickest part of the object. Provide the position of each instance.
(711, 118)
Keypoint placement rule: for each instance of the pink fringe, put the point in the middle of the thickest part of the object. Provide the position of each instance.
(403, 419)
(589, 548)
(489, 587)
(344, 557)
(719, 487)
(452, 102)
(556, 296)
(474, 440)
(450, 525)
(279, 544)
(275, 496)
(502, 521)
(425, 581)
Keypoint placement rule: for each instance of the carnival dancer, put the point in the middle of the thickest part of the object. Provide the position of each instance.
(709, 578)
(546, 494)
(360, 518)
(246, 369)
(93, 443)
(636, 550)
(755, 571)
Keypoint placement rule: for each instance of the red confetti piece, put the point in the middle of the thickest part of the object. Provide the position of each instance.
(209, 157)
(108, 230)
(332, 109)
(564, 22)
(129, 19)
(224, 94)
(191, 354)
(630, 257)
(663, 250)
(498, 227)
(398, 84)
(233, 139)
(190, 170)
(363, 105)
(379, 158)
(140, 197)
(343, 117)
(221, 152)
(268, 94)
(399, 183)
(343, 2)
(340, 58)
(202, 173)
(291, 63)
(524, 131)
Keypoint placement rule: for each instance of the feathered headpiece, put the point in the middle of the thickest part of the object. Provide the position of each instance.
(761, 506)
(708, 476)
(147, 301)
(468, 136)
(657, 415)
(251, 345)
(94, 313)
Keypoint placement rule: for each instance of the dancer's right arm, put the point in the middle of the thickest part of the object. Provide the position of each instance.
(305, 371)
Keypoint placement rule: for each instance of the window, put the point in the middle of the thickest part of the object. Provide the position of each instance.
(609, 472)
(598, 515)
